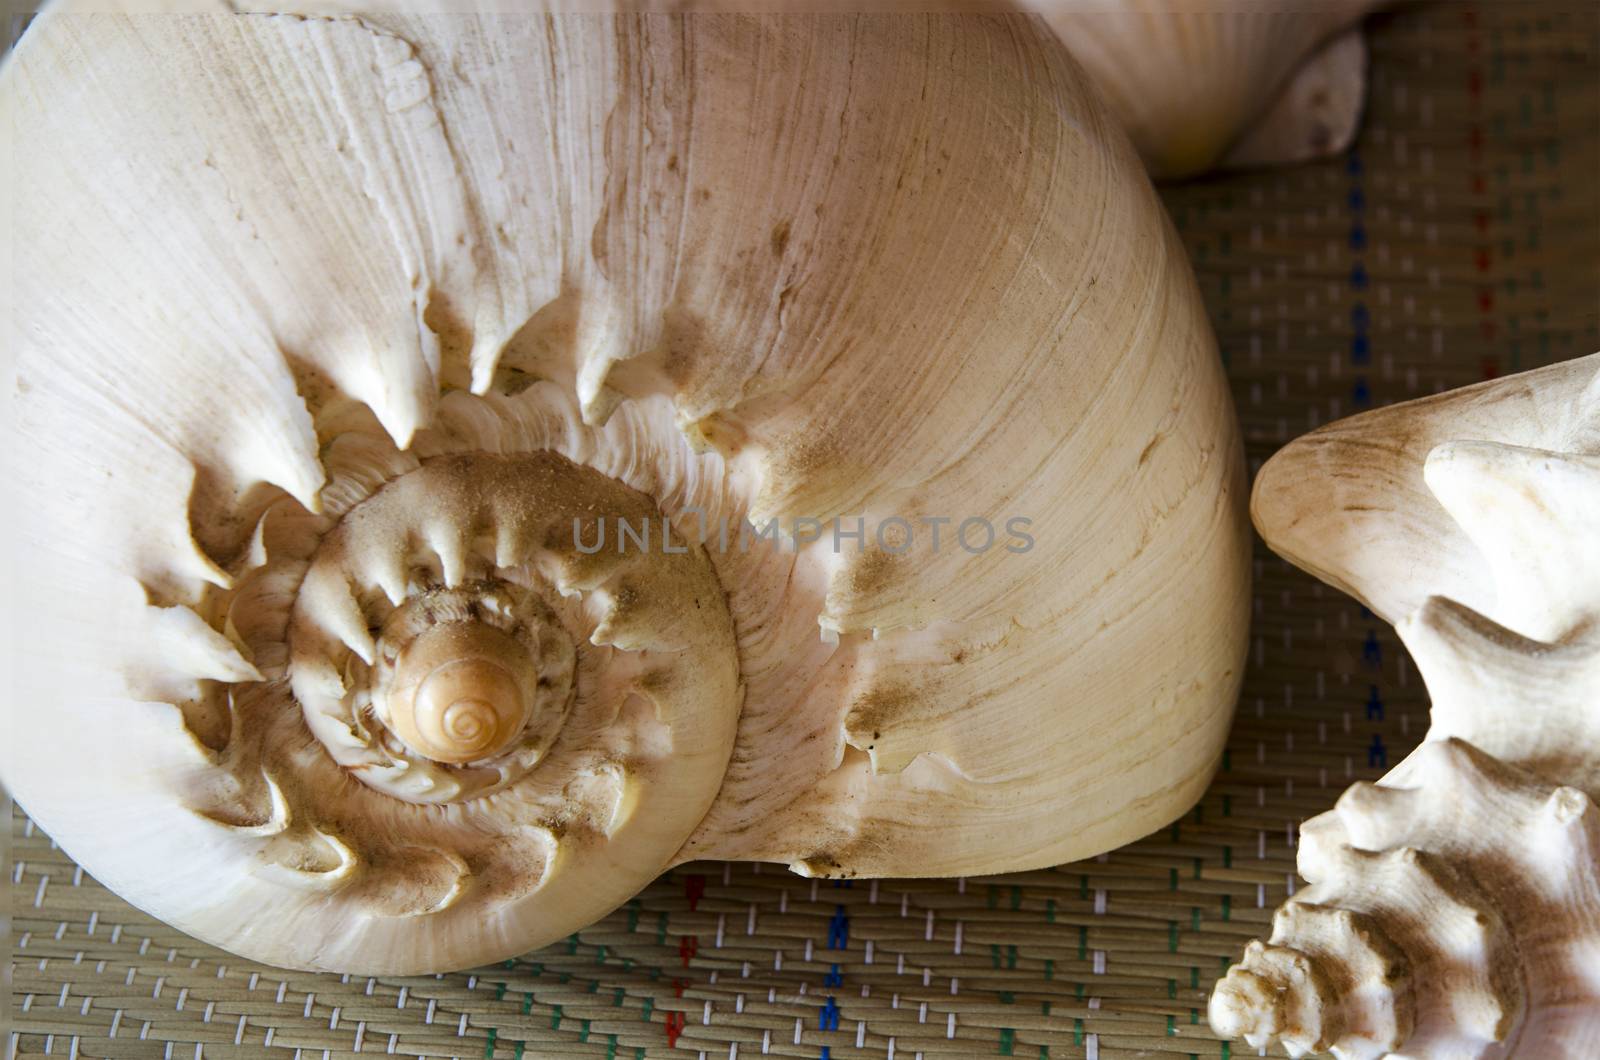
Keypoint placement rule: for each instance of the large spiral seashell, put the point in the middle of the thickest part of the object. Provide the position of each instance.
(349, 346)
(1454, 906)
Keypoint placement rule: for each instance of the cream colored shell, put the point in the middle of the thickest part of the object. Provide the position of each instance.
(1207, 84)
(339, 340)
(1453, 905)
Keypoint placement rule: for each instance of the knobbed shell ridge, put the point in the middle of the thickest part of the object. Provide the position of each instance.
(1454, 904)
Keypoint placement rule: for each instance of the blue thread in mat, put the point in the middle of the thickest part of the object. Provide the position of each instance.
(1361, 396)
(1360, 316)
(839, 929)
(838, 939)
(1371, 650)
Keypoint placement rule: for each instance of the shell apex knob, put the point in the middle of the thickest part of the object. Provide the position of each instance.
(457, 693)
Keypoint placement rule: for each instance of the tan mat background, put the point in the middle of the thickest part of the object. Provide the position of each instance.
(1459, 239)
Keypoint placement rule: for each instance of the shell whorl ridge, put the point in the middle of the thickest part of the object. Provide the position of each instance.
(448, 645)
(1454, 906)
(468, 567)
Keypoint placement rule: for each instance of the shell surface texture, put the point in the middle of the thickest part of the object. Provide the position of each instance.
(1454, 906)
(465, 465)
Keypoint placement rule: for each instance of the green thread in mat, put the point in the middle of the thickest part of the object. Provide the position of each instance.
(1077, 1032)
(1227, 857)
(1198, 864)
(1049, 970)
(583, 1032)
(1227, 907)
(555, 1017)
(527, 1003)
(500, 992)
(1172, 879)
(572, 944)
(1050, 911)
(520, 1047)
(1083, 943)
(488, 1046)
(633, 914)
(649, 1007)
(1172, 1026)
(1172, 936)
(661, 930)
(1172, 988)
(1008, 1038)
(617, 996)
(1016, 897)
(611, 1047)
(1194, 918)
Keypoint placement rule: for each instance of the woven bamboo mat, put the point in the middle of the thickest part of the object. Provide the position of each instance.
(1459, 239)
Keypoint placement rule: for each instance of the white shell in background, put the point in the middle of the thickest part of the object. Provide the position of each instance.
(1207, 84)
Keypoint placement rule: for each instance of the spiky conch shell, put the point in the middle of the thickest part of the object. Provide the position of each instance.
(332, 332)
(1454, 906)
